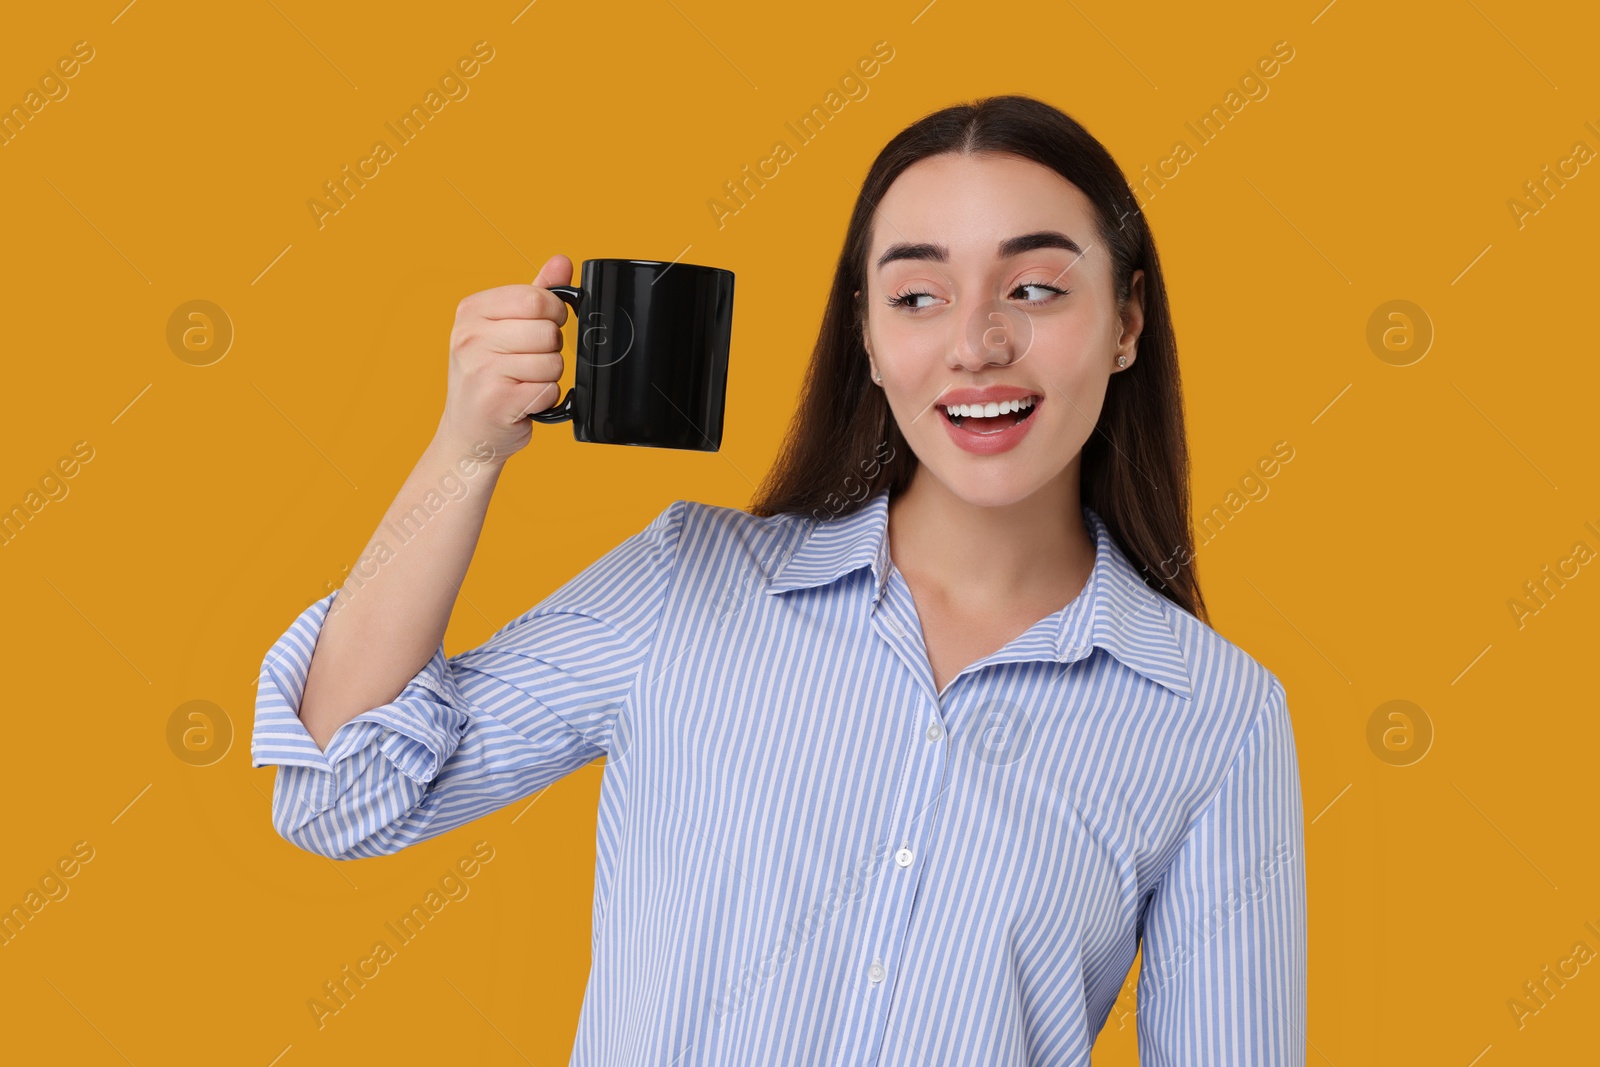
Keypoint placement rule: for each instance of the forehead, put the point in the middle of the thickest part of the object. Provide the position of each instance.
(972, 202)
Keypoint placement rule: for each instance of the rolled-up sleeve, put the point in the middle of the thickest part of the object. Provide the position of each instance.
(1223, 972)
(473, 732)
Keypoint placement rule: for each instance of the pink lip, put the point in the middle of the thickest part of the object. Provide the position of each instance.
(991, 443)
(991, 394)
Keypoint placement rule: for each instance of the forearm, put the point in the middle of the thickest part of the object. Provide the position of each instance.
(392, 611)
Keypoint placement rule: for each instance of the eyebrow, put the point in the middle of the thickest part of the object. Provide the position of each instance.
(1011, 246)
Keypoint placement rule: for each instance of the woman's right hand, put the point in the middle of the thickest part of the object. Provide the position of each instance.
(505, 362)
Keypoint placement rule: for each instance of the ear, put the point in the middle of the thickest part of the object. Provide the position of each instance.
(1132, 319)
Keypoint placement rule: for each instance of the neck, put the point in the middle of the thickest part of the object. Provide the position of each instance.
(1020, 553)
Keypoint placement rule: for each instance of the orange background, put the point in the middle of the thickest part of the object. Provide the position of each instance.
(221, 499)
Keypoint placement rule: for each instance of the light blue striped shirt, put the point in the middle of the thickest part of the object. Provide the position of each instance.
(806, 854)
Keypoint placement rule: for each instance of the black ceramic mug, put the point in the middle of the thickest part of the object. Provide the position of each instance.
(652, 364)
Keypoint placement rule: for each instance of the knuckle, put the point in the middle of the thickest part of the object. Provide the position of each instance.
(552, 308)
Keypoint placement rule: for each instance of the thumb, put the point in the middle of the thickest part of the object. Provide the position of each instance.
(557, 270)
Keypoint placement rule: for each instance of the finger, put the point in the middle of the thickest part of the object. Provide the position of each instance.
(534, 396)
(557, 270)
(520, 335)
(529, 368)
(514, 302)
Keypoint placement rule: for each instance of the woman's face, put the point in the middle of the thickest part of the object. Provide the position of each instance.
(1036, 321)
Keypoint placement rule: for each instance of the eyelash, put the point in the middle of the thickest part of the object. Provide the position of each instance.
(903, 300)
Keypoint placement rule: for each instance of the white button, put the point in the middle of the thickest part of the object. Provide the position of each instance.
(935, 731)
(875, 972)
(903, 857)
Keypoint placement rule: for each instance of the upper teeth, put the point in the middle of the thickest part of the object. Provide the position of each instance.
(988, 411)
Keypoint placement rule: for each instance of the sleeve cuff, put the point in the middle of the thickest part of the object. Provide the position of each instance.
(417, 731)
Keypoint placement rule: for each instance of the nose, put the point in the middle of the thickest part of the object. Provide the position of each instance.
(993, 332)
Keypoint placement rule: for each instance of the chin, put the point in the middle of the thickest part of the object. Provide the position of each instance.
(995, 483)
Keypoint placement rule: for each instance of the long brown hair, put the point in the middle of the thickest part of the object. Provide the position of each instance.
(843, 444)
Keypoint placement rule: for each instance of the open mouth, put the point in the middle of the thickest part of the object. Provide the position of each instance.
(990, 418)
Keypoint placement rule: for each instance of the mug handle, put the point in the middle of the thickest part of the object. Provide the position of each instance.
(562, 411)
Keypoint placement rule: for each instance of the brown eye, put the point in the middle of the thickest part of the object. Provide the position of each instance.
(1040, 285)
(905, 300)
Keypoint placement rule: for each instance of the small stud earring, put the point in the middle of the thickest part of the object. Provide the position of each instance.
(1122, 361)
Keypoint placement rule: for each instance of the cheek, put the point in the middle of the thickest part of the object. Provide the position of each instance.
(897, 339)
(1072, 373)
(1086, 390)
(1059, 355)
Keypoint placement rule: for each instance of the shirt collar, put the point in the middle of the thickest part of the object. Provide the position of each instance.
(1115, 611)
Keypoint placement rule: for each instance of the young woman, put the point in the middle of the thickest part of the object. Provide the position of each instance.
(905, 762)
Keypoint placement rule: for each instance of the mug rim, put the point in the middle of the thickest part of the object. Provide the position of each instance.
(656, 263)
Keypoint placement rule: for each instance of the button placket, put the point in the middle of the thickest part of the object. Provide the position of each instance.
(923, 784)
(910, 824)
(895, 621)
